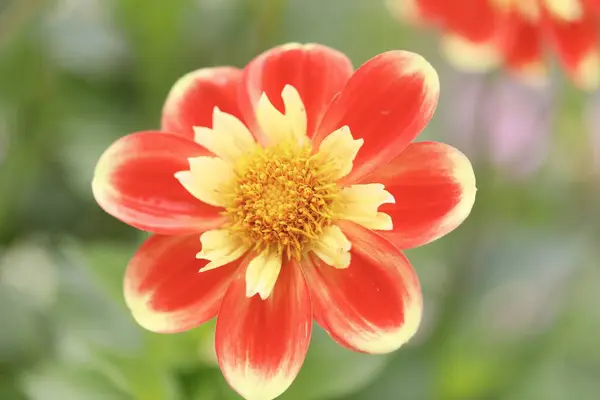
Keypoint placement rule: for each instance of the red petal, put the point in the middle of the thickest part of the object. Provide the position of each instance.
(523, 48)
(575, 42)
(317, 72)
(434, 188)
(164, 290)
(261, 344)
(375, 304)
(194, 96)
(134, 182)
(475, 20)
(387, 102)
(593, 6)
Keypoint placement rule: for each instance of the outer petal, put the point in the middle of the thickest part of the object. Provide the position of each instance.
(261, 344)
(317, 72)
(577, 43)
(387, 102)
(375, 304)
(474, 20)
(134, 182)
(523, 48)
(164, 290)
(194, 96)
(434, 188)
(593, 5)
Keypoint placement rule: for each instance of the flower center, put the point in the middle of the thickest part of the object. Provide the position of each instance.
(282, 199)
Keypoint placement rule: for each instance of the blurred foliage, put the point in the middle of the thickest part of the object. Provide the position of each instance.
(511, 297)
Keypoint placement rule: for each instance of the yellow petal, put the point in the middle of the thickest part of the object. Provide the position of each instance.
(220, 247)
(229, 138)
(279, 127)
(262, 273)
(209, 180)
(359, 203)
(333, 247)
(338, 150)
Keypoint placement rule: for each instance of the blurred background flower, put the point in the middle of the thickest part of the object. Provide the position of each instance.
(500, 121)
(511, 297)
(482, 34)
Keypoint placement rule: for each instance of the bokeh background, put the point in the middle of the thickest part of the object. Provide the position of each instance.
(512, 297)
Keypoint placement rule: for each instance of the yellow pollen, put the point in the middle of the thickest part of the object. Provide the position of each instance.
(282, 199)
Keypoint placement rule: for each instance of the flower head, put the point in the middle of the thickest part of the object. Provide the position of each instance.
(281, 193)
(481, 34)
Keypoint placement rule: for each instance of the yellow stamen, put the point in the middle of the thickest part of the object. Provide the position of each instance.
(280, 201)
(282, 198)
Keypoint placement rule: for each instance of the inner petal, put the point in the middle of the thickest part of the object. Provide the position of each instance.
(262, 273)
(333, 247)
(220, 247)
(229, 138)
(208, 179)
(283, 127)
(339, 150)
(359, 203)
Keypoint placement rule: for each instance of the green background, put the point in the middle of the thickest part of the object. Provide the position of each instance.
(512, 297)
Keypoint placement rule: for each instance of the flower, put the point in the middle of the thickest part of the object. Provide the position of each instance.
(480, 34)
(281, 193)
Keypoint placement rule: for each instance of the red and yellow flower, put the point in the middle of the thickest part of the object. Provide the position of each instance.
(281, 193)
(480, 34)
